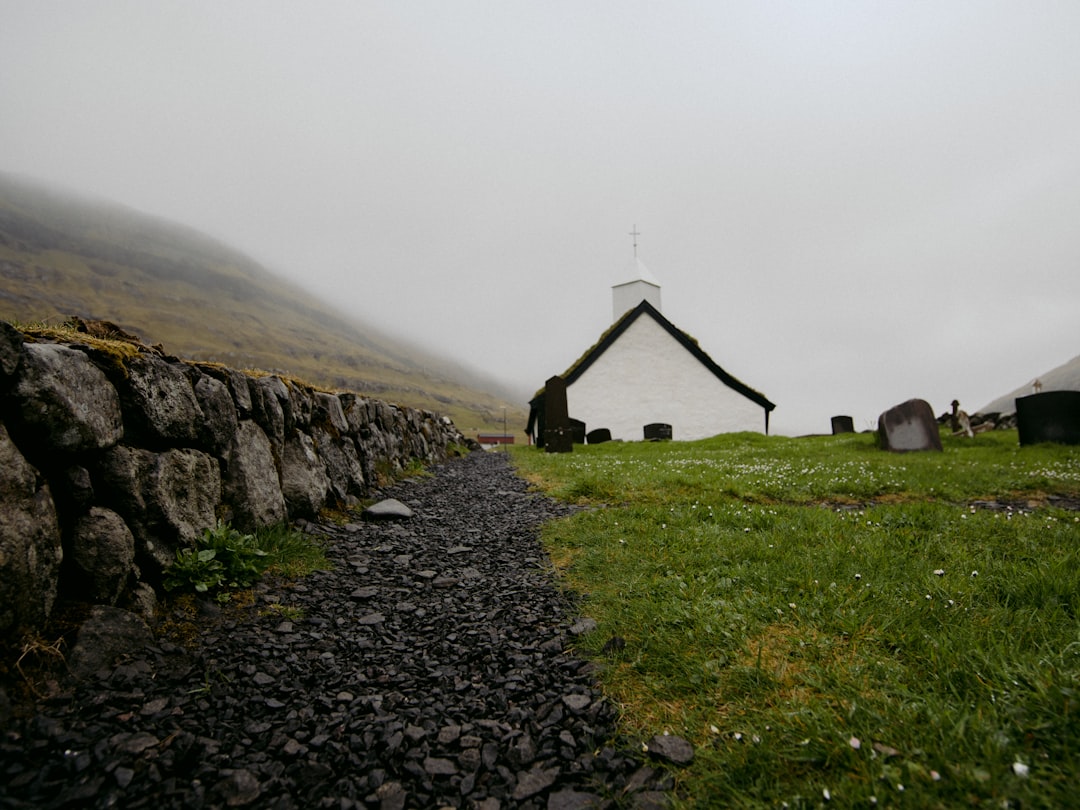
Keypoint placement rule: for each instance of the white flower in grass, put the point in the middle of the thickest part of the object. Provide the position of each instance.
(826, 794)
(974, 574)
(855, 743)
(1020, 769)
(940, 572)
(858, 576)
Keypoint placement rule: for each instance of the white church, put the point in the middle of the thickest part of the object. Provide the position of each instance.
(646, 371)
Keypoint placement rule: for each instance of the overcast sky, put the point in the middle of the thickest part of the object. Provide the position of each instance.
(849, 204)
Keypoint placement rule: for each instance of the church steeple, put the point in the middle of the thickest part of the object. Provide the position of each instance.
(639, 285)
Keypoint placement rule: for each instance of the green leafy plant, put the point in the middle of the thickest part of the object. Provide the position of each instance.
(223, 557)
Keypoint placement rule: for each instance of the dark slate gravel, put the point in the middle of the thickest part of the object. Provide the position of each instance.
(428, 670)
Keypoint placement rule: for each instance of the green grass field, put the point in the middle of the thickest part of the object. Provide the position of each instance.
(831, 624)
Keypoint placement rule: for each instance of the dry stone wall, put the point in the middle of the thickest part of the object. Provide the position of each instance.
(114, 457)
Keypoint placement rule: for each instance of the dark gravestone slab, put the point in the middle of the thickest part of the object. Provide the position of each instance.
(657, 431)
(558, 437)
(598, 436)
(577, 431)
(1053, 416)
(842, 424)
(908, 427)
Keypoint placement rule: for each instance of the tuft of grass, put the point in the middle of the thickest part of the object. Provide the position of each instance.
(818, 615)
(291, 553)
(292, 613)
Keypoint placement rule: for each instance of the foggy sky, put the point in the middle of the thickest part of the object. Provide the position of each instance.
(848, 204)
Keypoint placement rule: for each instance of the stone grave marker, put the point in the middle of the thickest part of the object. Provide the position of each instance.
(842, 424)
(657, 431)
(909, 426)
(598, 436)
(557, 435)
(1051, 416)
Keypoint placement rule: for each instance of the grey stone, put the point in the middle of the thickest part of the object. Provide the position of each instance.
(302, 404)
(357, 414)
(304, 482)
(576, 703)
(142, 601)
(391, 796)
(240, 389)
(239, 788)
(908, 427)
(271, 407)
(11, 343)
(532, 782)
(30, 547)
(106, 635)
(669, 748)
(437, 766)
(250, 483)
(388, 509)
(166, 499)
(569, 799)
(219, 413)
(65, 402)
(329, 412)
(74, 488)
(103, 553)
(583, 626)
(159, 403)
(342, 463)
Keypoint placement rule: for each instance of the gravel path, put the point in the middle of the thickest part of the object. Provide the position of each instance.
(427, 669)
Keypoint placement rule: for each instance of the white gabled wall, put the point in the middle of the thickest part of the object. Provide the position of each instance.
(648, 376)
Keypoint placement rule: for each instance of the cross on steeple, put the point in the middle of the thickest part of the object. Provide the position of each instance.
(635, 233)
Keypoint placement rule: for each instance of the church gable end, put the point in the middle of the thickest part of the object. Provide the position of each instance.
(644, 370)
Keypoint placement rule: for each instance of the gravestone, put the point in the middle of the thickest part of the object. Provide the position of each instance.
(657, 431)
(908, 427)
(842, 424)
(598, 436)
(557, 435)
(577, 431)
(1053, 416)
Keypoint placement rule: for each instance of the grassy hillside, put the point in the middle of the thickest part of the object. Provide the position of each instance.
(62, 255)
